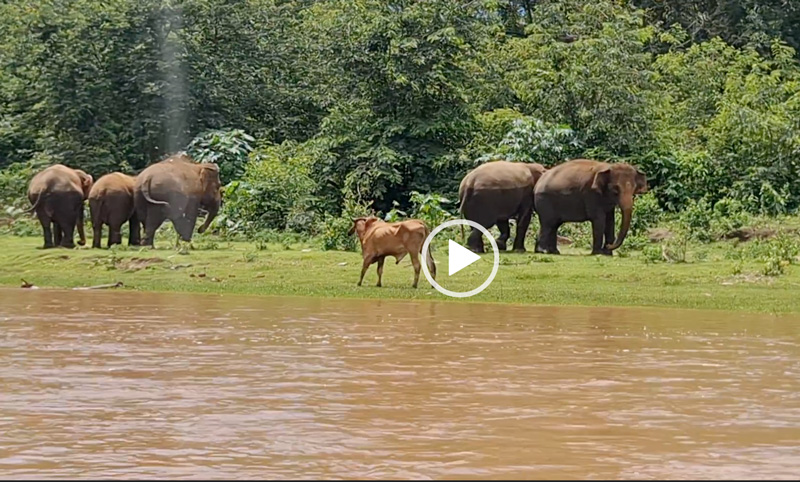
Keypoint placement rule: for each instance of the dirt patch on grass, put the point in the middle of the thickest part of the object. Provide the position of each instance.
(135, 264)
(746, 234)
(656, 235)
(748, 278)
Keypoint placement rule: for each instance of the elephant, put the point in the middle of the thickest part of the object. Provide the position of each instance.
(587, 190)
(495, 192)
(177, 188)
(111, 203)
(57, 194)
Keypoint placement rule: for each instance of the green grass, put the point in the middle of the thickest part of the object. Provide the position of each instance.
(574, 278)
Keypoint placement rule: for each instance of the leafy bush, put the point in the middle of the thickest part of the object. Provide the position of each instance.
(696, 220)
(532, 140)
(646, 213)
(652, 253)
(14, 182)
(334, 234)
(728, 215)
(333, 230)
(275, 189)
(229, 149)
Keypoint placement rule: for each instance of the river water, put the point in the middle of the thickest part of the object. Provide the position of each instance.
(134, 385)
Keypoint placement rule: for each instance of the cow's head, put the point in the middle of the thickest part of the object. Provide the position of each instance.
(362, 225)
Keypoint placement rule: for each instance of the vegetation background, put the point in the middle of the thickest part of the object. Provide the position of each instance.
(317, 111)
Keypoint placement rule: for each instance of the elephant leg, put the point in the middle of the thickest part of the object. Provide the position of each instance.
(598, 232)
(47, 232)
(505, 233)
(552, 240)
(155, 216)
(58, 233)
(417, 267)
(97, 232)
(522, 229)
(185, 224)
(475, 241)
(68, 228)
(134, 236)
(548, 237)
(367, 262)
(380, 270)
(609, 234)
(114, 234)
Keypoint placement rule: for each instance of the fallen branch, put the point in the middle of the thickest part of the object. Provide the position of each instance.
(100, 287)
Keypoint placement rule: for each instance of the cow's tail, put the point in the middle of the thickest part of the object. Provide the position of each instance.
(429, 256)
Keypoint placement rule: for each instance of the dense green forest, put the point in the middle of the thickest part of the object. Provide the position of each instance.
(316, 110)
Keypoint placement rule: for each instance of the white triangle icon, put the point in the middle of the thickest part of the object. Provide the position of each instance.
(458, 257)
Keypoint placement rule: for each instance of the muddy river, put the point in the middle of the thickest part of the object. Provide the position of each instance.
(131, 385)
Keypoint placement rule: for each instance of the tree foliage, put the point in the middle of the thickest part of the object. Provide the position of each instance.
(355, 105)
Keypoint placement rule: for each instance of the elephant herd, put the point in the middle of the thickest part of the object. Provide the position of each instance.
(575, 191)
(176, 188)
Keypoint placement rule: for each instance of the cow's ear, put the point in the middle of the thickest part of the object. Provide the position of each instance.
(356, 222)
(370, 221)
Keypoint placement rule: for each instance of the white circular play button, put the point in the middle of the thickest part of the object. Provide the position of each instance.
(459, 257)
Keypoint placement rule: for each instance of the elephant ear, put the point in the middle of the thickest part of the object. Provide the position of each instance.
(537, 171)
(210, 174)
(86, 184)
(209, 167)
(641, 182)
(601, 179)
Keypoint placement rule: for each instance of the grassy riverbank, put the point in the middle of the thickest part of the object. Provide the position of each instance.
(215, 266)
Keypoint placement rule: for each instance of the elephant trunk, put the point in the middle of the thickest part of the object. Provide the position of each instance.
(627, 209)
(212, 213)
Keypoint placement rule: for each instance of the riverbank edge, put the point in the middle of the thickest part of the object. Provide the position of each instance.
(776, 316)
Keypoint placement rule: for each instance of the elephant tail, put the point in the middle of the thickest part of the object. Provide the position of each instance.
(146, 194)
(463, 196)
(36, 203)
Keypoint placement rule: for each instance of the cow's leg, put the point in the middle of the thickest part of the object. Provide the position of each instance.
(380, 270)
(367, 261)
(417, 267)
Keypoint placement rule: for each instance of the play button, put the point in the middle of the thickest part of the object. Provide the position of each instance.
(459, 257)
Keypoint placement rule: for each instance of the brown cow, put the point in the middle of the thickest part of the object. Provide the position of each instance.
(380, 239)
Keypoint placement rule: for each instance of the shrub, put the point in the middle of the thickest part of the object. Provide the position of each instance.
(652, 253)
(275, 190)
(728, 215)
(646, 213)
(334, 234)
(14, 182)
(532, 140)
(429, 208)
(228, 149)
(696, 220)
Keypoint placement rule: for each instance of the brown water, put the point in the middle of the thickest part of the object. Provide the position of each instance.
(110, 384)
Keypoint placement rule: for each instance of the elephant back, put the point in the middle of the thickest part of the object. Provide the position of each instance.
(114, 182)
(501, 175)
(175, 176)
(570, 175)
(56, 178)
